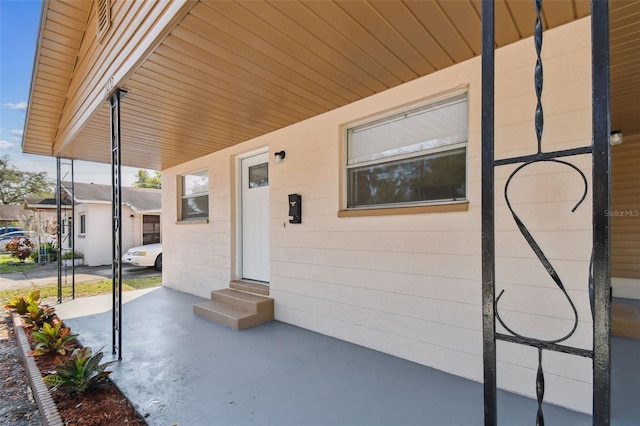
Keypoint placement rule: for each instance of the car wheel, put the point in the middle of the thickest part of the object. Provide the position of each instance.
(158, 264)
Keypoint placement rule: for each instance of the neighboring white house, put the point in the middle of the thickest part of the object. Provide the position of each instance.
(141, 212)
(388, 251)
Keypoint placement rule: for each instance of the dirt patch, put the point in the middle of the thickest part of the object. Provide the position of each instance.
(16, 404)
(105, 407)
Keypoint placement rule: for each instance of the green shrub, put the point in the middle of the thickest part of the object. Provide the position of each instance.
(52, 338)
(48, 250)
(80, 373)
(68, 255)
(21, 304)
(38, 315)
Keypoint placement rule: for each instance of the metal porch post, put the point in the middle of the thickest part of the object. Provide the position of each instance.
(488, 219)
(600, 282)
(72, 232)
(60, 190)
(601, 302)
(116, 208)
(59, 227)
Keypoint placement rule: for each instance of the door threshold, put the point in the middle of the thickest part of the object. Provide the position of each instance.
(250, 286)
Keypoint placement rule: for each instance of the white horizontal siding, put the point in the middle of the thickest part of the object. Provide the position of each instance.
(197, 256)
(96, 243)
(433, 287)
(328, 321)
(423, 242)
(454, 313)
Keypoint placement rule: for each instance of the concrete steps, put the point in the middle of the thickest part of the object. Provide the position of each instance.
(236, 309)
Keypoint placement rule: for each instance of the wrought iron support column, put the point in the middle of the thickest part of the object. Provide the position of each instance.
(600, 282)
(59, 227)
(488, 219)
(601, 202)
(61, 191)
(116, 208)
(72, 233)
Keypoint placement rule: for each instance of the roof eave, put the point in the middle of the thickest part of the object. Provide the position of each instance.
(34, 140)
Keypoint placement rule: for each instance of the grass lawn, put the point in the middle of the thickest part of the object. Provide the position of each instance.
(7, 265)
(50, 293)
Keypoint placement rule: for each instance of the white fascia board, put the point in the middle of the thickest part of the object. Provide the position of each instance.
(141, 211)
(80, 201)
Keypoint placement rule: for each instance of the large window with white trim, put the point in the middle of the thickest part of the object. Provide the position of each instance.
(417, 157)
(195, 196)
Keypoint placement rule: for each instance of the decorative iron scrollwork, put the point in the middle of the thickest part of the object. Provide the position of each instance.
(539, 253)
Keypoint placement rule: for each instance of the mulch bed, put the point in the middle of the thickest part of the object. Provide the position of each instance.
(106, 407)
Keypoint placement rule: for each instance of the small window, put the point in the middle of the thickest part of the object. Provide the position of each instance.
(259, 175)
(195, 196)
(150, 229)
(83, 224)
(418, 157)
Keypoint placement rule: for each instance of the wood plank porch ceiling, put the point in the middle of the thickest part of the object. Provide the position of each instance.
(232, 71)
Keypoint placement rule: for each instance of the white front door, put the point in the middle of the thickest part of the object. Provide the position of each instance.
(255, 218)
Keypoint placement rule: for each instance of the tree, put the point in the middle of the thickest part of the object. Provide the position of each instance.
(16, 185)
(144, 180)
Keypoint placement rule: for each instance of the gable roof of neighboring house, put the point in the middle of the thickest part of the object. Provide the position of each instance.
(141, 200)
(43, 203)
(12, 212)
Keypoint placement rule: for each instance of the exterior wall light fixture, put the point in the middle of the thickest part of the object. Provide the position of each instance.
(616, 137)
(280, 156)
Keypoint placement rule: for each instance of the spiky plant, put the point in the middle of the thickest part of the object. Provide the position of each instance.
(80, 373)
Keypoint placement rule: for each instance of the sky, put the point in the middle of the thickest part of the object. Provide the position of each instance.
(19, 21)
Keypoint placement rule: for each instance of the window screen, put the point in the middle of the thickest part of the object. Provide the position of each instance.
(415, 157)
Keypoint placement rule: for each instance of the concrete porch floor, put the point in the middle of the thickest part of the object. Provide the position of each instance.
(179, 369)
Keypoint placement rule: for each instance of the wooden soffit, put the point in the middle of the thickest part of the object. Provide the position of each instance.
(229, 71)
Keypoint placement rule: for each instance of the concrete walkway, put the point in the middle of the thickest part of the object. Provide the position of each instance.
(179, 369)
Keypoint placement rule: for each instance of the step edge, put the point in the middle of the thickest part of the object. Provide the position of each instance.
(250, 287)
(206, 306)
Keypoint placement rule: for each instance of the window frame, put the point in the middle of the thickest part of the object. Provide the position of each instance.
(182, 197)
(154, 233)
(378, 158)
(82, 228)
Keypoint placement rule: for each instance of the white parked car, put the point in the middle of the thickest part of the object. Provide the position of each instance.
(147, 255)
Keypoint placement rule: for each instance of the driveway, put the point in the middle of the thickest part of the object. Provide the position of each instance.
(47, 275)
